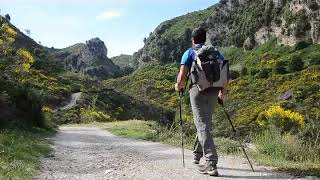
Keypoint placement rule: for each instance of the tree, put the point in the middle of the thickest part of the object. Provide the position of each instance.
(7, 16)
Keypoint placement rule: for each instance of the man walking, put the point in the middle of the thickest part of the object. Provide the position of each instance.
(203, 102)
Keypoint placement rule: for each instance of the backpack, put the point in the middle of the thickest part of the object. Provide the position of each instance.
(208, 70)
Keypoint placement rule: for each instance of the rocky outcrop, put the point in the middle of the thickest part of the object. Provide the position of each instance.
(249, 44)
(236, 21)
(89, 59)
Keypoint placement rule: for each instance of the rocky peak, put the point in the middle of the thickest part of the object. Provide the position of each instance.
(97, 48)
(89, 58)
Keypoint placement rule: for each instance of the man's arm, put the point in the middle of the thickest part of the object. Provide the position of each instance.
(182, 78)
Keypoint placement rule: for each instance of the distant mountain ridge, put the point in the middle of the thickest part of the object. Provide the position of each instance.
(122, 60)
(88, 58)
(235, 23)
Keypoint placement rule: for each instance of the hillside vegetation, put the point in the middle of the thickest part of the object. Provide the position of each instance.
(33, 85)
(235, 23)
(274, 93)
(161, 45)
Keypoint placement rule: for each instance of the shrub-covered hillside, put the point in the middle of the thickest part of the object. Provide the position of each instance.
(34, 84)
(238, 23)
(267, 76)
(162, 44)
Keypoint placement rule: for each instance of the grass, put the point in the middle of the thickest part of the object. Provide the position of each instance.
(287, 152)
(21, 151)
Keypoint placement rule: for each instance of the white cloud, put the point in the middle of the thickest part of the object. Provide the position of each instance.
(107, 15)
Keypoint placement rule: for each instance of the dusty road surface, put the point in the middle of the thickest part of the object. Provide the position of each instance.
(92, 154)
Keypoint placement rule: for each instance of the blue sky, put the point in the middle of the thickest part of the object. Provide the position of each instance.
(122, 24)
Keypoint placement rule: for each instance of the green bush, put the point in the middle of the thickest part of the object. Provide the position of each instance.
(264, 73)
(280, 67)
(315, 60)
(234, 74)
(253, 71)
(244, 71)
(295, 64)
(28, 107)
(302, 45)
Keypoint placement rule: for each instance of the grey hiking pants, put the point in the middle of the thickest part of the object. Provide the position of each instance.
(203, 104)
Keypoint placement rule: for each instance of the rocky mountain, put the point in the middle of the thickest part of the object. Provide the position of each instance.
(236, 23)
(122, 60)
(162, 44)
(250, 23)
(88, 58)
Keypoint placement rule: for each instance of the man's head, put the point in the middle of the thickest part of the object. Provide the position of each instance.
(199, 36)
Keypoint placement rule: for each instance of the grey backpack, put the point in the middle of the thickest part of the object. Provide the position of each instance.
(208, 70)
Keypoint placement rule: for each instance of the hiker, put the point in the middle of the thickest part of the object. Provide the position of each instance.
(203, 99)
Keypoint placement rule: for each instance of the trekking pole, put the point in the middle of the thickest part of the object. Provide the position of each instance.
(181, 124)
(235, 131)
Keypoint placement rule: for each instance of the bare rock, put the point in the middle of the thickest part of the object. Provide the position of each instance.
(89, 58)
(249, 43)
(286, 96)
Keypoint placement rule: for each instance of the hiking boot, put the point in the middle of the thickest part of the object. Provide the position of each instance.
(196, 161)
(196, 158)
(209, 169)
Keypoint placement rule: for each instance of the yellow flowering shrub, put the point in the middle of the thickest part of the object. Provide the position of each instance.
(26, 60)
(7, 33)
(91, 115)
(7, 36)
(281, 118)
(46, 109)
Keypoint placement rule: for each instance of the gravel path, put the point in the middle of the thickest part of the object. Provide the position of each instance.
(73, 101)
(92, 154)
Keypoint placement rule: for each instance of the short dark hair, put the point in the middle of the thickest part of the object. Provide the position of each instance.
(199, 35)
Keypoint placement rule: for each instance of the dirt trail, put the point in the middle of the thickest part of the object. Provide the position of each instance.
(92, 154)
(74, 98)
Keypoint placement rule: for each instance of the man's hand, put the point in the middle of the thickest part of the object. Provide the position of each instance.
(179, 87)
(221, 95)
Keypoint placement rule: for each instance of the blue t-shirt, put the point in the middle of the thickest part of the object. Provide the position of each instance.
(189, 56)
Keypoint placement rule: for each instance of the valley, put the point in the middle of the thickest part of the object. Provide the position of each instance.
(273, 97)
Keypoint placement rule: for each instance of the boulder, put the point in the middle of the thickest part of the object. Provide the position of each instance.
(249, 44)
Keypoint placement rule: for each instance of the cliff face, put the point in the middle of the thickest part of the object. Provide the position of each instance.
(89, 58)
(251, 23)
(236, 23)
